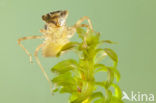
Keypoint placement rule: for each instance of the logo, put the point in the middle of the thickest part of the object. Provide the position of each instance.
(138, 96)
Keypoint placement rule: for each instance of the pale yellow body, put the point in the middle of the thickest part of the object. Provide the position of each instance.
(54, 38)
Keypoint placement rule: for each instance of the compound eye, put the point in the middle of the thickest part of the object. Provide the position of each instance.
(46, 17)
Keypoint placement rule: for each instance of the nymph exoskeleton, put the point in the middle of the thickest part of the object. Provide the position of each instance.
(55, 34)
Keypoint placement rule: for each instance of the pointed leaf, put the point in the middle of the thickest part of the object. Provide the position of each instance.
(111, 54)
(110, 78)
(101, 100)
(116, 100)
(118, 92)
(96, 95)
(110, 73)
(67, 46)
(92, 38)
(64, 79)
(116, 73)
(65, 66)
(100, 55)
(108, 96)
(102, 84)
(108, 41)
(81, 32)
(100, 67)
(67, 82)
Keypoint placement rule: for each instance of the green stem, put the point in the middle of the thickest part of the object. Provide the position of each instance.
(88, 75)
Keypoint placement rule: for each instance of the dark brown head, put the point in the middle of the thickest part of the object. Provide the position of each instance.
(58, 18)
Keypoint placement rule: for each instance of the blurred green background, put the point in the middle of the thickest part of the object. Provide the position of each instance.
(132, 23)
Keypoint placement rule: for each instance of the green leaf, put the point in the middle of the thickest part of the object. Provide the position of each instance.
(110, 73)
(108, 41)
(73, 97)
(65, 66)
(96, 95)
(86, 91)
(100, 67)
(68, 89)
(78, 100)
(108, 96)
(118, 93)
(110, 78)
(81, 32)
(111, 54)
(101, 100)
(100, 55)
(102, 84)
(55, 89)
(92, 38)
(116, 73)
(67, 82)
(116, 100)
(67, 46)
(64, 79)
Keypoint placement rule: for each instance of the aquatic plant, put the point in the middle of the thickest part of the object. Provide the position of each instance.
(77, 77)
